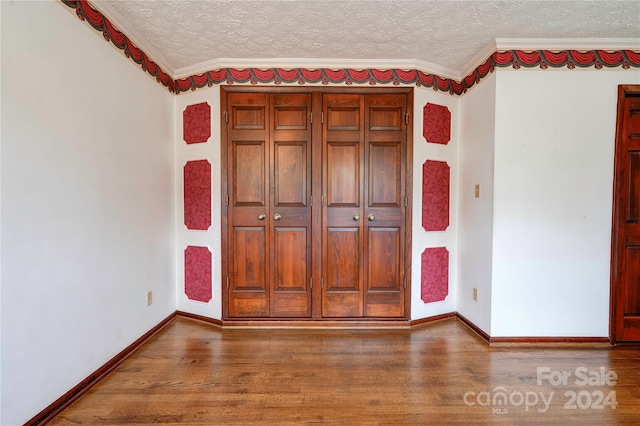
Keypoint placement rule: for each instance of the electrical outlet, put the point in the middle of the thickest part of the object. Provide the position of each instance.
(475, 294)
(477, 191)
(149, 297)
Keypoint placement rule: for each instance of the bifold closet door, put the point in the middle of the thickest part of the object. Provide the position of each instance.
(268, 214)
(364, 174)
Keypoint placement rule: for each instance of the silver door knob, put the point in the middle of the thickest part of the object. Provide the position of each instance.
(277, 216)
(261, 216)
(371, 218)
(356, 217)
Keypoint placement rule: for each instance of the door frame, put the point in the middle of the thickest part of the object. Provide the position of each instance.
(617, 255)
(316, 176)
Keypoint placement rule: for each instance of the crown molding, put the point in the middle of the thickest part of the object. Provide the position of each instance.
(316, 63)
(567, 44)
(141, 43)
(478, 59)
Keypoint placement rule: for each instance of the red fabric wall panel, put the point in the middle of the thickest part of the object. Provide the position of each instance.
(436, 124)
(196, 123)
(436, 176)
(197, 273)
(197, 195)
(434, 275)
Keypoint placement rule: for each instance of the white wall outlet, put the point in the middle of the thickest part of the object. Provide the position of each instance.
(475, 294)
(149, 298)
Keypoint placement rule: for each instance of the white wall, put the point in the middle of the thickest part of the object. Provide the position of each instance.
(554, 148)
(475, 215)
(421, 239)
(423, 151)
(87, 204)
(212, 237)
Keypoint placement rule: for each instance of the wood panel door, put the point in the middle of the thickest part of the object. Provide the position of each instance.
(364, 214)
(268, 217)
(625, 259)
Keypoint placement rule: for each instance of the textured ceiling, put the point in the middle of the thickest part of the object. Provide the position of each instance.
(185, 35)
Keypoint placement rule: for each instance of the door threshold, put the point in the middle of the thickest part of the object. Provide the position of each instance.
(363, 323)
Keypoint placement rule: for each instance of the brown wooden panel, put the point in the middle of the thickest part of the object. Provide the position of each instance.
(384, 259)
(385, 118)
(343, 174)
(290, 174)
(249, 259)
(290, 117)
(632, 281)
(248, 117)
(385, 177)
(341, 288)
(634, 123)
(248, 278)
(343, 118)
(342, 257)
(290, 259)
(383, 297)
(248, 179)
(634, 187)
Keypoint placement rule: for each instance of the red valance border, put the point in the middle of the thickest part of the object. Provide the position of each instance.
(544, 59)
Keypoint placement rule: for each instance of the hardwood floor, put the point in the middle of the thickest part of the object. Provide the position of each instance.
(440, 373)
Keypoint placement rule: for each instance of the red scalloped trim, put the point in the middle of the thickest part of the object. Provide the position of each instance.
(100, 23)
(512, 58)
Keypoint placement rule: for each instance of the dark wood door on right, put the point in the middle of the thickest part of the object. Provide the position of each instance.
(625, 259)
(364, 206)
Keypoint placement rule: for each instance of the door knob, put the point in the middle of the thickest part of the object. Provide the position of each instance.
(277, 216)
(261, 216)
(356, 217)
(371, 218)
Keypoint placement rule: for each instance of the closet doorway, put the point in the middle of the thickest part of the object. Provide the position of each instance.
(316, 207)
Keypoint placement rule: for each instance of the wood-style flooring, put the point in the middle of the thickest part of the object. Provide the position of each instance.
(439, 373)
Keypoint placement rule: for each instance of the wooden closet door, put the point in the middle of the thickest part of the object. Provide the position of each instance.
(625, 259)
(248, 234)
(269, 213)
(385, 201)
(364, 151)
(290, 195)
(342, 242)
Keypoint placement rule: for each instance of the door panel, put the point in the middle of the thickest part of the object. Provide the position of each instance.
(384, 175)
(634, 187)
(625, 259)
(247, 140)
(342, 279)
(290, 177)
(632, 289)
(249, 186)
(385, 157)
(249, 265)
(343, 174)
(343, 150)
(290, 174)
